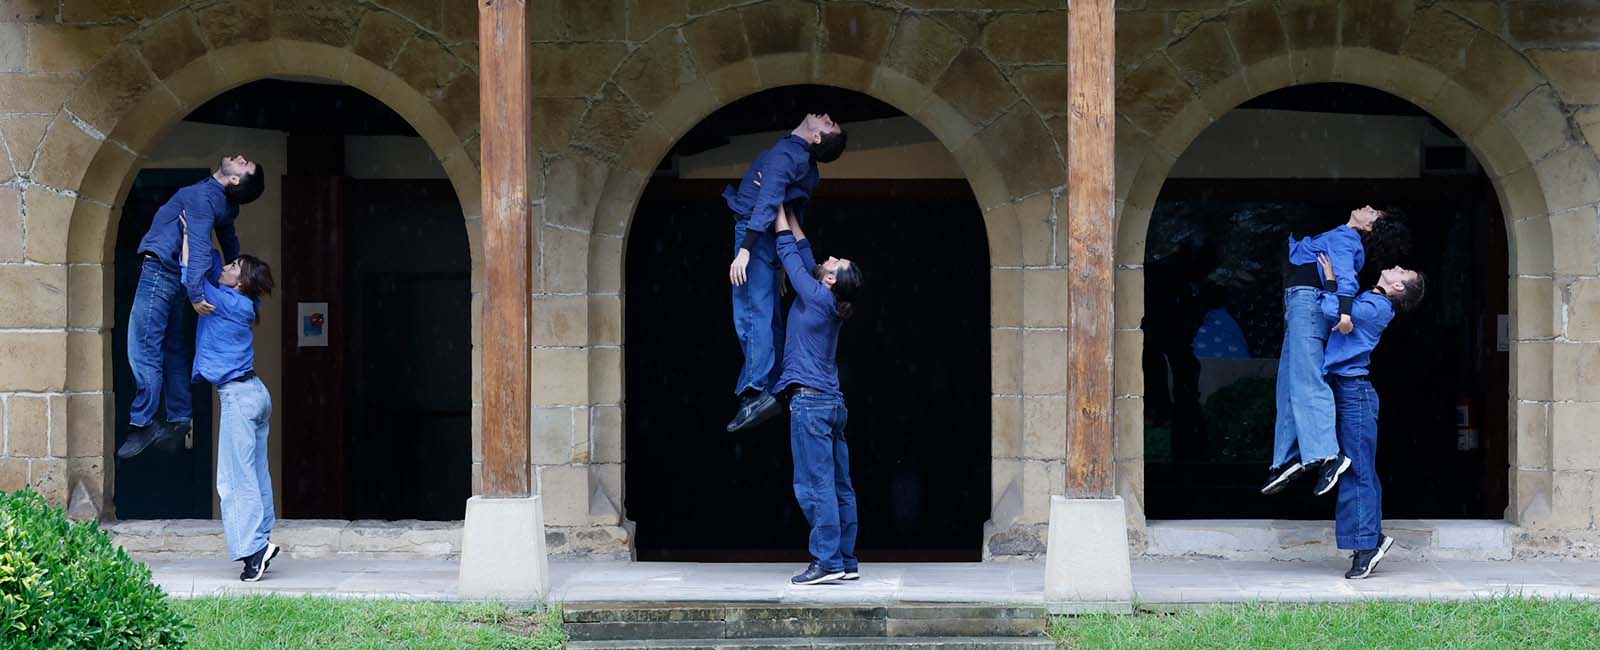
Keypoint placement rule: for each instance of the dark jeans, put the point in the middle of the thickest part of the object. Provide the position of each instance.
(1358, 517)
(822, 478)
(757, 318)
(158, 350)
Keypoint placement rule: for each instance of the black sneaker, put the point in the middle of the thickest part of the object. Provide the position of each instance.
(176, 432)
(1280, 477)
(1363, 562)
(140, 439)
(1328, 472)
(755, 411)
(851, 575)
(256, 565)
(815, 575)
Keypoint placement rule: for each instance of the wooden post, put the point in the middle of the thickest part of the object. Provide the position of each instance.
(1091, 159)
(507, 244)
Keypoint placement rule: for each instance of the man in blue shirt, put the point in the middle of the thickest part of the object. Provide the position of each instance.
(225, 356)
(1358, 517)
(1303, 435)
(785, 174)
(161, 363)
(823, 295)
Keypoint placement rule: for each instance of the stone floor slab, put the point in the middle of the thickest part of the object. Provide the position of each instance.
(1156, 582)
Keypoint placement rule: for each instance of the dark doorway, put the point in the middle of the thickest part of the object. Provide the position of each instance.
(409, 369)
(914, 364)
(155, 485)
(1441, 372)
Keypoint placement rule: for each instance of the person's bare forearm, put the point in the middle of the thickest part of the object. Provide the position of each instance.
(794, 225)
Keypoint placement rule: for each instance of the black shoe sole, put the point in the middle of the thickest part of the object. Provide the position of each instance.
(1284, 479)
(837, 575)
(1383, 549)
(153, 438)
(1344, 465)
(758, 416)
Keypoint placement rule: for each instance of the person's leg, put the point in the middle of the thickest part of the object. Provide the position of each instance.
(177, 352)
(147, 328)
(263, 469)
(1358, 524)
(754, 310)
(236, 475)
(1310, 399)
(844, 491)
(811, 443)
(1285, 444)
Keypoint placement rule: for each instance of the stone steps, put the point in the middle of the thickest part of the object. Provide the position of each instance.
(731, 626)
(831, 643)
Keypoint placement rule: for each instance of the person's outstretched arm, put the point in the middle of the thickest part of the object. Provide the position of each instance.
(795, 253)
(1342, 252)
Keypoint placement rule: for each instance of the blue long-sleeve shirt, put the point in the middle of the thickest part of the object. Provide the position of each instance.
(812, 335)
(784, 174)
(206, 207)
(1348, 355)
(1343, 247)
(224, 342)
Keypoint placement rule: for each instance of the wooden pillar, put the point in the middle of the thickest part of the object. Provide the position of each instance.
(1091, 236)
(506, 146)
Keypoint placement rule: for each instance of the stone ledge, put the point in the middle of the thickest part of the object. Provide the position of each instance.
(175, 539)
(1281, 539)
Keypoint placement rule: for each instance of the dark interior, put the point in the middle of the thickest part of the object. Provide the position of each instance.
(1440, 372)
(913, 362)
(378, 423)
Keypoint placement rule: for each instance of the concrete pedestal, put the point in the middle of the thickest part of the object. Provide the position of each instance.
(502, 550)
(1087, 567)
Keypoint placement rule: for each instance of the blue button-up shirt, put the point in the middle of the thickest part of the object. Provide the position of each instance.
(812, 335)
(224, 342)
(206, 207)
(784, 174)
(1348, 355)
(1343, 247)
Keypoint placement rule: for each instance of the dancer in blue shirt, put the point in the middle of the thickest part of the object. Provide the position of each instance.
(823, 295)
(1358, 517)
(784, 175)
(158, 355)
(225, 356)
(1303, 436)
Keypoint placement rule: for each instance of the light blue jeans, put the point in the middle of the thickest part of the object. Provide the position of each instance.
(243, 481)
(1306, 421)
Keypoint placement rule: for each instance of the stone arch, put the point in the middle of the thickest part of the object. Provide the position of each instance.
(594, 187)
(109, 160)
(1511, 118)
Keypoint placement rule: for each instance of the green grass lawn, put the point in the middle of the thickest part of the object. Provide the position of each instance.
(1498, 624)
(252, 622)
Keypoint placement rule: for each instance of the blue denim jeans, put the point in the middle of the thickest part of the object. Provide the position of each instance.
(757, 314)
(160, 362)
(243, 481)
(1305, 422)
(822, 478)
(1358, 517)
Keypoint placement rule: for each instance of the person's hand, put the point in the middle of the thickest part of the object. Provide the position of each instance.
(1345, 325)
(1326, 264)
(203, 308)
(736, 271)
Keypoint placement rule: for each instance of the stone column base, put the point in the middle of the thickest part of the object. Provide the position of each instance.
(1087, 568)
(502, 550)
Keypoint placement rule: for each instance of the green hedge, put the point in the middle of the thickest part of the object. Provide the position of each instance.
(65, 585)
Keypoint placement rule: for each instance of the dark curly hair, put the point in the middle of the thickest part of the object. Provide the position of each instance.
(1408, 300)
(1389, 240)
(847, 286)
(831, 146)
